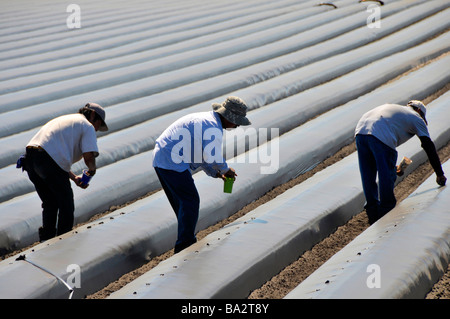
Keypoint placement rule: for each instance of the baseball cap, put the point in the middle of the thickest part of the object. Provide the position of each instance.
(420, 106)
(101, 112)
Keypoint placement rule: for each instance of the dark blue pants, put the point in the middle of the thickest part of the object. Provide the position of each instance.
(52, 184)
(376, 157)
(185, 201)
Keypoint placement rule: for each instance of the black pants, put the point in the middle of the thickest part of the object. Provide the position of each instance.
(53, 187)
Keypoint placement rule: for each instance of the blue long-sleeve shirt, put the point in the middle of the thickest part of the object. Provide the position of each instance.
(193, 141)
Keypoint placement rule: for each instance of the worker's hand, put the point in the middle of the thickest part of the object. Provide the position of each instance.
(441, 180)
(399, 171)
(230, 173)
(78, 182)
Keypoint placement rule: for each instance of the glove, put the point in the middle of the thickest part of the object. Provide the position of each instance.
(21, 162)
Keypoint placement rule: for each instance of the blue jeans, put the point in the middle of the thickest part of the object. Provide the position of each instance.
(376, 157)
(185, 201)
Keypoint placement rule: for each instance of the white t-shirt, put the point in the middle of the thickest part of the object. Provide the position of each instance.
(66, 138)
(392, 124)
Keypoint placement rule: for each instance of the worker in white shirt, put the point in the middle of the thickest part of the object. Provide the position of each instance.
(182, 148)
(48, 160)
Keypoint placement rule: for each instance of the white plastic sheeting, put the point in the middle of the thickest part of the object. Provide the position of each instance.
(164, 102)
(140, 138)
(148, 227)
(334, 65)
(139, 109)
(238, 258)
(163, 35)
(225, 43)
(131, 177)
(123, 249)
(151, 38)
(366, 37)
(401, 256)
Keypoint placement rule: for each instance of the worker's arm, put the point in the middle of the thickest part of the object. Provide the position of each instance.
(430, 150)
(89, 160)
